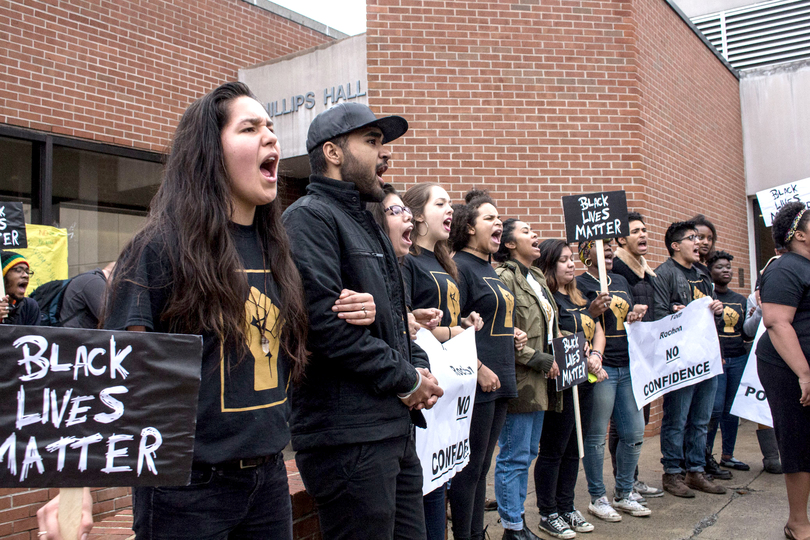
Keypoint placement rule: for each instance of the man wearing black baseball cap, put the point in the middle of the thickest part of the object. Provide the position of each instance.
(351, 425)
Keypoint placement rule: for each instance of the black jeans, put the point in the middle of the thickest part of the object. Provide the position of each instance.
(613, 440)
(367, 490)
(233, 503)
(555, 473)
(468, 488)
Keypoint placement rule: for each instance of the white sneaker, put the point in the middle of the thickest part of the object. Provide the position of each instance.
(601, 508)
(631, 507)
(634, 496)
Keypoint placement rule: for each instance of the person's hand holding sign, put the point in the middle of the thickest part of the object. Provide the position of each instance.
(554, 372)
(48, 519)
(716, 306)
(637, 314)
(4, 308)
(599, 305)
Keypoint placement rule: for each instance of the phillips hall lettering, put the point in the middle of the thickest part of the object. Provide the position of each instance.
(333, 94)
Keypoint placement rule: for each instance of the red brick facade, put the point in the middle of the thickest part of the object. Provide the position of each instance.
(535, 100)
(124, 72)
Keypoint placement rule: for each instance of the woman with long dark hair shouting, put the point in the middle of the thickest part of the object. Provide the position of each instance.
(213, 259)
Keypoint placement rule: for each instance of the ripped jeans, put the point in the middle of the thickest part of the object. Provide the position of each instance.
(613, 397)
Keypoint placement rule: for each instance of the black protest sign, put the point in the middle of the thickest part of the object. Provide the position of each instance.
(569, 353)
(96, 408)
(595, 216)
(12, 226)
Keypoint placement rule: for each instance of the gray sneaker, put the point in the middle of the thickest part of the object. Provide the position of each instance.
(647, 491)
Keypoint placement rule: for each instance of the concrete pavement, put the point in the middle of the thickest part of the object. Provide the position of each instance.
(755, 507)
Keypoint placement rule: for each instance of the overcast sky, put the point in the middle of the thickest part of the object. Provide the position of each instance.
(348, 16)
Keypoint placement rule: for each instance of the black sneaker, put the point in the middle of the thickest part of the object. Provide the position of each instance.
(713, 469)
(556, 526)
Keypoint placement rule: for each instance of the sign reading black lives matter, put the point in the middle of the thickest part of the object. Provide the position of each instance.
(12, 226)
(595, 216)
(96, 408)
(569, 353)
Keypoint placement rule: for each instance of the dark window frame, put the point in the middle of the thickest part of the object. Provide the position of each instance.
(42, 166)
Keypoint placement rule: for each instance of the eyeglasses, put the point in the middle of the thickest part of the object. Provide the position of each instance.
(397, 209)
(20, 269)
(691, 238)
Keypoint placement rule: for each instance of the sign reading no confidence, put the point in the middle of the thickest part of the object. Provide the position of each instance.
(677, 351)
(773, 199)
(12, 226)
(569, 353)
(96, 408)
(595, 216)
(444, 447)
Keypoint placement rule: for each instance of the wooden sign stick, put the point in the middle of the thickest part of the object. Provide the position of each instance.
(70, 512)
(600, 258)
(578, 422)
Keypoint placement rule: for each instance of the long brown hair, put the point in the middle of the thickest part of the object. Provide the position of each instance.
(416, 199)
(550, 253)
(190, 215)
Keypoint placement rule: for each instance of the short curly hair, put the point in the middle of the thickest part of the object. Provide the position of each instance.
(783, 221)
(717, 256)
(464, 216)
(676, 231)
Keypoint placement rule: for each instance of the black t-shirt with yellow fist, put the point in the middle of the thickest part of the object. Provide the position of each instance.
(730, 327)
(614, 319)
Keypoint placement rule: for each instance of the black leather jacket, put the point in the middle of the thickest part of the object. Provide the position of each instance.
(349, 392)
(671, 287)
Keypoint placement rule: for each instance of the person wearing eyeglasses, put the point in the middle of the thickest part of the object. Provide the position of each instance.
(678, 281)
(15, 308)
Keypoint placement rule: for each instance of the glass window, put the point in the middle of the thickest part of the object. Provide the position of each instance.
(16, 157)
(102, 201)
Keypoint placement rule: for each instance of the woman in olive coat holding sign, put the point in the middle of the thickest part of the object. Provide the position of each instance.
(536, 313)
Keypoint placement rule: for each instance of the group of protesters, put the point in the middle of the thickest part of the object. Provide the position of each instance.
(332, 291)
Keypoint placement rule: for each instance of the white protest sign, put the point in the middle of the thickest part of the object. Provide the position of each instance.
(771, 200)
(674, 352)
(444, 447)
(750, 402)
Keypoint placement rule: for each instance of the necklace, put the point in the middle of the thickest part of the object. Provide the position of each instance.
(597, 279)
(486, 254)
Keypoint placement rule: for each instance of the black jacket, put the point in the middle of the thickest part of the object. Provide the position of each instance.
(24, 313)
(672, 287)
(349, 392)
(641, 288)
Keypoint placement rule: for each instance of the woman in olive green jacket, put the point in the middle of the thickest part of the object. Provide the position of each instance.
(536, 313)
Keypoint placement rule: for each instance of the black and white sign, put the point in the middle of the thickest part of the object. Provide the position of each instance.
(12, 226)
(96, 408)
(595, 216)
(677, 351)
(444, 447)
(569, 353)
(773, 199)
(751, 402)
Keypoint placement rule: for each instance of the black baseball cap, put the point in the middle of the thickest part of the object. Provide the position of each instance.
(347, 117)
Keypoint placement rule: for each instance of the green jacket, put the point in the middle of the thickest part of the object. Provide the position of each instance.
(535, 391)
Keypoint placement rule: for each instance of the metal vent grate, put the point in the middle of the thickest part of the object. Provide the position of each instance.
(761, 34)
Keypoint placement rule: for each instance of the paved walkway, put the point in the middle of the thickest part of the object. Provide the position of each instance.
(755, 507)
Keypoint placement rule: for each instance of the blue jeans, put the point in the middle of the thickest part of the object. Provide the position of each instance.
(519, 443)
(613, 397)
(727, 384)
(686, 418)
(435, 514)
(234, 503)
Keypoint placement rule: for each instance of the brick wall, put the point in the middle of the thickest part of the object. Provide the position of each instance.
(536, 100)
(124, 72)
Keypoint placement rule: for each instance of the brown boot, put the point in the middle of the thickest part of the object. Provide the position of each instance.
(698, 481)
(673, 483)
